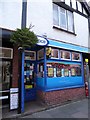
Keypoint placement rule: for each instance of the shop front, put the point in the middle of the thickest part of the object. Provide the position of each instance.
(53, 74)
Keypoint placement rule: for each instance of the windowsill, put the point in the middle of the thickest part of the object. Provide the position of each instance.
(56, 27)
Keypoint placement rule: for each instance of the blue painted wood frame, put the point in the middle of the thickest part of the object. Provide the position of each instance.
(45, 68)
(22, 84)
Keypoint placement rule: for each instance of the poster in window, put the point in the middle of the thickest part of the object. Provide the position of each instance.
(73, 71)
(58, 72)
(50, 72)
(66, 72)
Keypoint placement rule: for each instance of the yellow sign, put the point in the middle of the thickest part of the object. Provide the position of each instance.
(28, 86)
(86, 60)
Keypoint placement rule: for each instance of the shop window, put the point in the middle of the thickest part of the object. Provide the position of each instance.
(6, 53)
(55, 53)
(50, 71)
(41, 54)
(73, 72)
(58, 72)
(66, 72)
(76, 70)
(30, 55)
(40, 70)
(76, 56)
(65, 55)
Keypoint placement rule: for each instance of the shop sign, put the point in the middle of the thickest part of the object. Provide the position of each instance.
(13, 98)
(42, 41)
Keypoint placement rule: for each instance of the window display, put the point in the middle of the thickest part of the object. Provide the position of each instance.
(63, 70)
(58, 72)
(76, 56)
(65, 54)
(66, 72)
(50, 72)
(29, 75)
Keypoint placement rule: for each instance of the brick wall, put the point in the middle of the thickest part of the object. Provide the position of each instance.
(61, 96)
(15, 67)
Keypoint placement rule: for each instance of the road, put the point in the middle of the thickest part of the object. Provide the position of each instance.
(72, 110)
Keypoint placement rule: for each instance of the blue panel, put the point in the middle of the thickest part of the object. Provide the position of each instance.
(62, 82)
(40, 83)
(67, 46)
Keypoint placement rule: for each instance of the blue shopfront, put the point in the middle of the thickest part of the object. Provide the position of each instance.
(56, 66)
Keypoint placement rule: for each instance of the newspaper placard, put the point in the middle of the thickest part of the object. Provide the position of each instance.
(13, 98)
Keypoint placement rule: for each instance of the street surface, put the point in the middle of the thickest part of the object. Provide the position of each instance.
(72, 110)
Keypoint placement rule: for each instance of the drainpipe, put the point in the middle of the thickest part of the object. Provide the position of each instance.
(21, 62)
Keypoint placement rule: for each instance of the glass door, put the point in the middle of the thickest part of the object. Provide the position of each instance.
(29, 80)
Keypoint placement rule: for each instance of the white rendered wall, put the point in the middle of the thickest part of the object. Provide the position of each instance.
(40, 14)
(10, 14)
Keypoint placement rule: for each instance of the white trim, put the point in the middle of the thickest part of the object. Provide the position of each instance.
(3, 97)
(64, 58)
(58, 54)
(5, 91)
(7, 49)
(79, 55)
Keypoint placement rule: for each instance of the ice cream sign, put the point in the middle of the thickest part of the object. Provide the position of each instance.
(42, 41)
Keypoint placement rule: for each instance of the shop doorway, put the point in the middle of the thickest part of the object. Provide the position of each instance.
(29, 80)
(5, 80)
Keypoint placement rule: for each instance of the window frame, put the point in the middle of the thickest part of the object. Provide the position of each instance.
(58, 54)
(32, 52)
(59, 25)
(4, 57)
(74, 59)
(64, 58)
(38, 54)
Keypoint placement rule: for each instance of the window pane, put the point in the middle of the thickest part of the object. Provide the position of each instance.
(76, 56)
(58, 72)
(50, 72)
(55, 15)
(70, 21)
(63, 21)
(65, 54)
(55, 53)
(30, 55)
(41, 54)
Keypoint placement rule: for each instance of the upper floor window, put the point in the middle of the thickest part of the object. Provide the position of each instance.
(63, 18)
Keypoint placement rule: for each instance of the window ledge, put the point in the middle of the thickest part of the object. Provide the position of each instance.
(56, 27)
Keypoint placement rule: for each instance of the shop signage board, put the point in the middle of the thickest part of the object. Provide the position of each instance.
(42, 41)
(13, 98)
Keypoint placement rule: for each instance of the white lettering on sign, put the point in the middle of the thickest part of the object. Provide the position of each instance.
(42, 41)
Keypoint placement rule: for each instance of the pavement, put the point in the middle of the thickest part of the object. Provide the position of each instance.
(76, 109)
